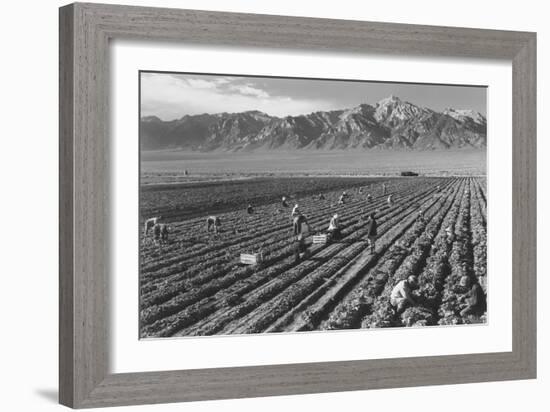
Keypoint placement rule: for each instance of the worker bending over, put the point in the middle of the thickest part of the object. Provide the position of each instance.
(401, 297)
(284, 203)
(475, 300)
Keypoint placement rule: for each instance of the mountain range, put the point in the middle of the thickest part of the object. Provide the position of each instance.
(391, 124)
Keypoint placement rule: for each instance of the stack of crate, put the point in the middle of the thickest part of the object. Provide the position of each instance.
(320, 239)
(251, 258)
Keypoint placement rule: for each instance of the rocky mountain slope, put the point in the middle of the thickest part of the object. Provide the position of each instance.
(391, 124)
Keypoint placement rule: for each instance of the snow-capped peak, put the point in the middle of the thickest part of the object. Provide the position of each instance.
(460, 114)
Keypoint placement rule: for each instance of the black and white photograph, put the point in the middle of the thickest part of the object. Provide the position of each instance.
(276, 204)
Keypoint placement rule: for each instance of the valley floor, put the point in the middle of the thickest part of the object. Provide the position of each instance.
(169, 166)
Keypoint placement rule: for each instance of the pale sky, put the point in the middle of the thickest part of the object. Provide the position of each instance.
(170, 96)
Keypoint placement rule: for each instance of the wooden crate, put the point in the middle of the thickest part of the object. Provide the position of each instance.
(320, 239)
(251, 258)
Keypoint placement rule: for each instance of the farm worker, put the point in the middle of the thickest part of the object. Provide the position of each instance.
(438, 188)
(369, 197)
(383, 189)
(299, 223)
(213, 222)
(321, 197)
(149, 224)
(476, 303)
(157, 233)
(372, 231)
(449, 235)
(295, 211)
(164, 229)
(390, 200)
(420, 218)
(334, 226)
(249, 209)
(343, 198)
(400, 296)
(284, 202)
(300, 248)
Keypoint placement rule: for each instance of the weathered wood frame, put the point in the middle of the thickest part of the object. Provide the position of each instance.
(85, 31)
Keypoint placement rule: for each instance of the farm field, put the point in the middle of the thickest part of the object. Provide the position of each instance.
(195, 285)
(174, 201)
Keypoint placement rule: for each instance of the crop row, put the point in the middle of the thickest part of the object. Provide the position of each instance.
(266, 221)
(284, 278)
(223, 283)
(367, 303)
(432, 278)
(336, 291)
(270, 228)
(273, 249)
(461, 264)
(278, 247)
(204, 292)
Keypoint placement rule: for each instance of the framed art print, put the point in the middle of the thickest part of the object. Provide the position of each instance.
(291, 218)
(267, 205)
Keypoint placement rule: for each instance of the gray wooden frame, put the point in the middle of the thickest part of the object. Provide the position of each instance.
(85, 31)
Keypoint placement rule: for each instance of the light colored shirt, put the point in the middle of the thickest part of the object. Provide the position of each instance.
(333, 224)
(400, 291)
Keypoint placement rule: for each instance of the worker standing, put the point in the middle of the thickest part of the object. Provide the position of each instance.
(334, 227)
(384, 189)
(157, 234)
(213, 222)
(164, 229)
(295, 211)
(299, 224)
(390, 200)
(372, 231)
(249, 209)
(300, 248)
